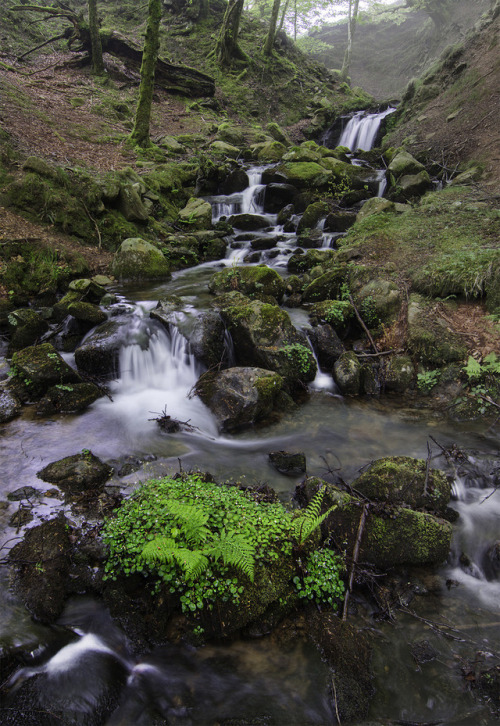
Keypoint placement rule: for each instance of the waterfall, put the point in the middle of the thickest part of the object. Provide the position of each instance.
(249, 201)
(362, 130)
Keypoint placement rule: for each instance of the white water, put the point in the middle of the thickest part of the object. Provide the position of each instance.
(362, 129)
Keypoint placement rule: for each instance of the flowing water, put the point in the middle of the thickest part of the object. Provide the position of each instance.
(77, 669)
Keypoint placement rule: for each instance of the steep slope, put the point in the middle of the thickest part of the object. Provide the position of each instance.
(387, 55)
(451, 114)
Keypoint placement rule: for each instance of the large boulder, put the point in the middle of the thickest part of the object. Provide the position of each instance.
(39, 367)
(412, 185)
(197, 214)
(239, 397)
(327, 345)
(82, 472)
(406, 481)
(430, 340)
(251, 281)
(375, 205)
(138, 259)
(303, 174)
(98, 354)
(248, 221)
(399, 373)
(277, 196)
(404, 163)
(347, 371)
(312, 215)
(208, 340)
(327, 286)
(68, 398)
(130, 203)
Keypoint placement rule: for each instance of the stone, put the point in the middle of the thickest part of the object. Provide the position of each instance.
(399, 373)
(138, 259)
(379, 301)
(221, 148)
(303, 174)
(404, 163)
(327, 345)
(312, 215)
(259, 280)
(231, 134)
(25, 327)
(274, 130)
(276, 196)
(98, 354)
(38, 368)
(10, 405)
(327, 286)
(287, 463)
(239, 397)
(248, 221)
(78, 473)
(429, 339)
(197, 214)
(402, 480)
(131, 205)
(302, 154)
(339, 221)
(347, 374)
(310, 239)
(87, 313)
(414, 185)
(375, 205)
(68, 398)
(271, 151)
(208, 340)
(236, 181)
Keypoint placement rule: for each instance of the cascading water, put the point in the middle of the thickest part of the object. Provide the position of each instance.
(362, 130)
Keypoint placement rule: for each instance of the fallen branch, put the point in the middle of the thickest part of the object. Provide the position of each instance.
(380, 353)
(65, 34)
(361, 322)
(355, 555)
(172, 425)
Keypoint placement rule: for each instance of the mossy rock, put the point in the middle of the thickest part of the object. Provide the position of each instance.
(299, 262)
(26, 327)
(399, 373)
(138, 259)
(327, 286)
(78, 473)
(379, 299)
(221, 148)
(271, 152)
(404, 480)
(251, 281)
(274, 130)
(429, 339)
(403, 163)
(239, 397)
(375, 205)
(197, 214)
(68, 398)
(304, 174)
(231, 134)
(301, 154)
(312, 215)
(337, 313)
(347, 373)
(87, 313)
(10, 405)
(39, 367)
(98, 355)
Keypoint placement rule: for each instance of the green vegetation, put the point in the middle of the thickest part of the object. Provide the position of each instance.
(321, 580)
(301, 357)
(427, 380)
(202, 541)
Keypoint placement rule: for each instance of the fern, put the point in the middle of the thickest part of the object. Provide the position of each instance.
(473, 368)
(310, 519)
(234, 550)
(191, 520)
(492, 363)
(166, 549)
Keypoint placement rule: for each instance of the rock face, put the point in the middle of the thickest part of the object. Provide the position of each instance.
(239, 397)
(138, 259)
(78, 473)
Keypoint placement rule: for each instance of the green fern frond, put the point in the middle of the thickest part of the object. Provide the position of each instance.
(165, 549)
(191, 520)
(310, 519)
(234, 550)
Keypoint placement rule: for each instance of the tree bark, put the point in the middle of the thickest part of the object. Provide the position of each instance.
(140, 132)
(269, 43)
(95, 39)
(351, 29)
(226, 47)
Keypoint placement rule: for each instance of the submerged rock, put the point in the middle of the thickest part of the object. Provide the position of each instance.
(288, 464)
(239, 397)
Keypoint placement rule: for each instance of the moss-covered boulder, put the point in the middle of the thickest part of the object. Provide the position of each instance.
(87, 313)
(399, 373)
(98, 355)
(25, 326)
(327, 286)
(39, 367)
(347, 372)
(429, 339)
(400, 536)
(411, 186)
(404, 163)
(251, 281)
(302, 154)
(68, 398)
(197, 214)
(231, 134)
(271, 151)
(89, 290)
(339, 221)
(277, 133)
(137, 259)
(375, 205)
(208, 340)
(404, 480)
(221, 148)
(312, 215)
(130, 203)
(303, 174)
(78, 473)
(239, 397)
(303, 262)
(378, 299)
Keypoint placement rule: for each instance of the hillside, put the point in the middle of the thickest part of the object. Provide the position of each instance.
(387, 54)
(450, 115)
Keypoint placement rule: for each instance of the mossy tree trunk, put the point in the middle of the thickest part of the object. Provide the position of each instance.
(351, 29)
(269, 42)
(140, 132)
(226, 47)
(95, 39)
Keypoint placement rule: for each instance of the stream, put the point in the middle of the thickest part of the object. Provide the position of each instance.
(77, 665)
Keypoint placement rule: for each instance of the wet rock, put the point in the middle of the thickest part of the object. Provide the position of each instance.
(89, 290)
(41, 564)
(78, 473)
(25, 492)
(208, 340)
(98, 355)
(138, 259)
(327, 286)
(404, 163)
(87, 313)
(235, 181)
(347, 374)
(22, 516)
(285, 214)
(271, 151)
(312, 239)
(261, 280)
(392, 536)
(277, 195)
(167, 310)
(300, 262)
(402, 479)
(491, 561)
(313, 213)
(239, 397)
(25, 327)
(10, 405)
(339, 221)
(327, 345)
(399, 373)
(288, 464)
(197, 214)
(68, 398)
(38, 368)
(248, 221)
(347, 651)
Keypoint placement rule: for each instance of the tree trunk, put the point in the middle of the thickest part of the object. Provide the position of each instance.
(269, 43)
(204, 9)
(283, 15)
(351, 29)
(95, 39)
(140, 132)
(226, 47)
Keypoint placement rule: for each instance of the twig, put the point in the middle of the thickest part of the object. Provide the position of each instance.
(427, 466)
(355, 555)
(382, 352)
(95, 223)
(361, 322)
(50, 40)
(335, 700)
